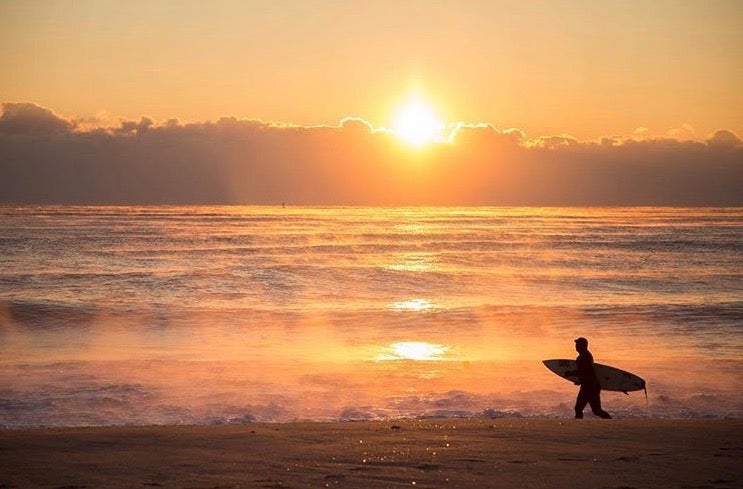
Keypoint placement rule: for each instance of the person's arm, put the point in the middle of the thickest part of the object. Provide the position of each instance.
(581, 368)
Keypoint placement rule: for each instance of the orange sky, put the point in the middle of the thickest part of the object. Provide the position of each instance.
(587, 69)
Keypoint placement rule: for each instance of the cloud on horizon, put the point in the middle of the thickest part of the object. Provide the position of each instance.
(45, 158)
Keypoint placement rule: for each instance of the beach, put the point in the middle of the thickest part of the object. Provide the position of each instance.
(457, 453)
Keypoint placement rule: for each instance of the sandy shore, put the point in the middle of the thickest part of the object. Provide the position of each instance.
(509, 453)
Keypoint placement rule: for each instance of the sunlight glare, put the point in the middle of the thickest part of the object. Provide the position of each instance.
(413, 305)
(417, 125)
(414, 350)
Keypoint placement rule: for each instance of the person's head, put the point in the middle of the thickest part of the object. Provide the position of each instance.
(581, 344)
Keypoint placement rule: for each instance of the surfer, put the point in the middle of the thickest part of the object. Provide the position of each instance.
(590, 388)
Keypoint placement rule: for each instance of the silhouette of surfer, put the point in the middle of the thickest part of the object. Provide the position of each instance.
(590, 388)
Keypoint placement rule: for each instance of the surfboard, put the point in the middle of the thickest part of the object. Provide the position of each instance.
(610, 378)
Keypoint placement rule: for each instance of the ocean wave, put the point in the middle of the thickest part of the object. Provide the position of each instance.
(16, 414)
(48, 314)
(292, 288)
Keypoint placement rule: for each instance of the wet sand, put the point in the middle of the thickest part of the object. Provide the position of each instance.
(481, 453)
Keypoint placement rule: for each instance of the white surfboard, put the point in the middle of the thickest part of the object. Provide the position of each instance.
(610, 378)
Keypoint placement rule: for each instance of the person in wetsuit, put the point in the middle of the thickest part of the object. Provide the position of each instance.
(590, 388)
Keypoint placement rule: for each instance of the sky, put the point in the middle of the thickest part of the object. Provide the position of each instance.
(588, 69)
(585, 72)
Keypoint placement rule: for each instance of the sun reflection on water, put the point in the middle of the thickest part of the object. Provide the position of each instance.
(414, 350)
(415, 262)
(412, 305)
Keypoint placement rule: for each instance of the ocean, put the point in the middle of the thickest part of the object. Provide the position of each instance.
(209, 315)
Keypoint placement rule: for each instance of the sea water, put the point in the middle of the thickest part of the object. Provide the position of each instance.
(171, 315)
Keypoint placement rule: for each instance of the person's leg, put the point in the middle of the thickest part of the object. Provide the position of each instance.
(595, 402)
(580, 403)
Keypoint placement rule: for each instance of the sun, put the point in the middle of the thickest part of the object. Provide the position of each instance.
(417, 125)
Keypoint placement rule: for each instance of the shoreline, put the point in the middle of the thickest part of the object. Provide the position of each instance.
(474, 418)
(457, 453)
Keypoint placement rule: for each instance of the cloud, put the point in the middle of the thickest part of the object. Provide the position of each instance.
(554, 142)
(724, 139)
(356, 124)
(131, 127)
(47, 159)
(686, 131)
(30, 119)
(478, 134)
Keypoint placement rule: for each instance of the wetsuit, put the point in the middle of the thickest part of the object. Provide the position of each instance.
(590, 388)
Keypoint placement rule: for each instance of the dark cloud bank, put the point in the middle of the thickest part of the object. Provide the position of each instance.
(47, 159)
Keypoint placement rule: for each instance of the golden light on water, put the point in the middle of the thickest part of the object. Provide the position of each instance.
(413, 305)
(414, 350)
(415, 262)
